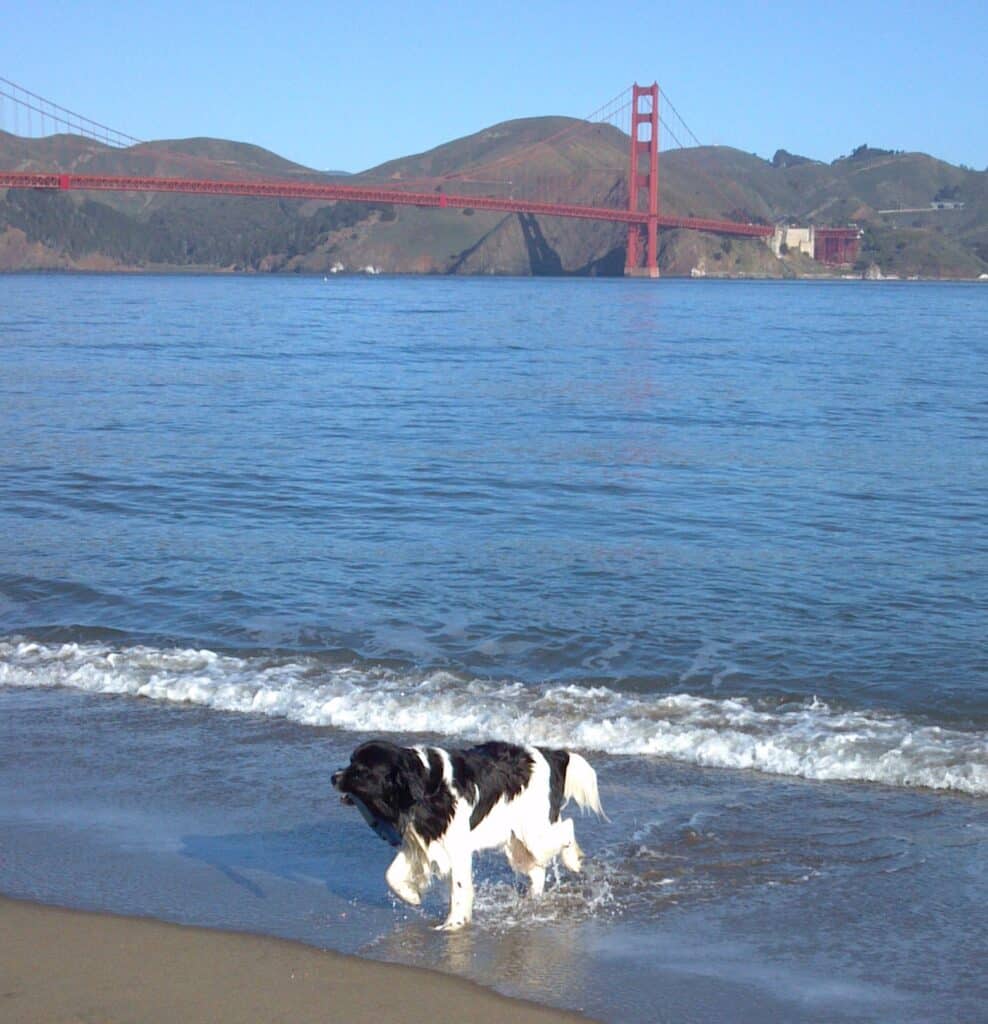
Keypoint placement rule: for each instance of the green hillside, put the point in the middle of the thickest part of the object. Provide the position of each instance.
(545, 157)
(561, 149)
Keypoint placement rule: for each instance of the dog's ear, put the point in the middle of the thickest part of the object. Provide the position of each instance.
(407, 778)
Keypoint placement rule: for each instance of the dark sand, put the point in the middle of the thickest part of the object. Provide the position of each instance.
(62, 966)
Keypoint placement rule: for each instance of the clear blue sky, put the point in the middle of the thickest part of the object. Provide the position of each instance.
(350, 85)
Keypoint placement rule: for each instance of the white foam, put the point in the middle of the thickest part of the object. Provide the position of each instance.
(599, 891)
(808, 739)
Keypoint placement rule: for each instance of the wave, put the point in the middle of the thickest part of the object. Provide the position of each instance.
(810, 739)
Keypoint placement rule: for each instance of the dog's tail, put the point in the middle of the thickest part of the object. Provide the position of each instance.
(581, 785)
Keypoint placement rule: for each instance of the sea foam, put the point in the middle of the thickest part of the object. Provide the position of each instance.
(809, 739)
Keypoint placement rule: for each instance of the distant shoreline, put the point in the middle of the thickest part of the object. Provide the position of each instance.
(283, 274)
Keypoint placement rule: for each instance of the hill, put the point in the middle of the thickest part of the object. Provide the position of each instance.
(543, 156)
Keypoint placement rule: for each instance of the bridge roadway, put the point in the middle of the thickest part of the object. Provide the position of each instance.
(361, 194)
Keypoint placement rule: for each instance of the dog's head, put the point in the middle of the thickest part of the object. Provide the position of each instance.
(387, 780)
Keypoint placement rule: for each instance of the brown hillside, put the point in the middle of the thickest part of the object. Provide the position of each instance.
(553, 158)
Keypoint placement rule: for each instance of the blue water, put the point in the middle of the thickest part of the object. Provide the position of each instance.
(728, 538)
(752, 488)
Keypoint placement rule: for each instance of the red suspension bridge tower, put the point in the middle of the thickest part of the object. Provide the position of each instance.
(644, 150)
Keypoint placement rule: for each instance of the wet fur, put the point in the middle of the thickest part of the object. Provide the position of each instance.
(445, 805)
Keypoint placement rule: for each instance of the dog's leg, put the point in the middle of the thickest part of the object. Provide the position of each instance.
(521, 858)
(569, 849)
(460, 891)
(559, 840)
(402, 877)
(536, 876)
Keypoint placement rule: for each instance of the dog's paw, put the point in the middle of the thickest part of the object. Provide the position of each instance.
(572, 857)
(407, 894)
(452, 924)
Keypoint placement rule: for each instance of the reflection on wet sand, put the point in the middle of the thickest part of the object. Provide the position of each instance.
(521, 960)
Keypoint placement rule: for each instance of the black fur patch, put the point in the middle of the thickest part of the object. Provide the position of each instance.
(396, 787)
(558, 763)
(432, 816)
(489, 772)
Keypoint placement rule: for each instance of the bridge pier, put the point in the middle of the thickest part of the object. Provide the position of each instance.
(641, 271)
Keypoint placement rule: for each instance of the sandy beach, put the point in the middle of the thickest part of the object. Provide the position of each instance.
(68, 966)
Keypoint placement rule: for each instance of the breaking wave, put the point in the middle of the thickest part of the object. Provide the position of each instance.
(810, 739)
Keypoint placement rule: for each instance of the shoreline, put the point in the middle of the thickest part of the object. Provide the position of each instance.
(227, 272)
(64, 965)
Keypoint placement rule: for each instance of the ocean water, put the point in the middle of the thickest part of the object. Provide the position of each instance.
(728, 538)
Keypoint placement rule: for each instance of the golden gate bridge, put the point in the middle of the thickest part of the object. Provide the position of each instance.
(638, 206)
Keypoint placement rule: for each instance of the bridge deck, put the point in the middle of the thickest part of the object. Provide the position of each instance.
(360, 194)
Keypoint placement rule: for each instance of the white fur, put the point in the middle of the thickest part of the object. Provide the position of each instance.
(519, 827)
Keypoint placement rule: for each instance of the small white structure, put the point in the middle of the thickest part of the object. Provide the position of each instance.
(794, 239)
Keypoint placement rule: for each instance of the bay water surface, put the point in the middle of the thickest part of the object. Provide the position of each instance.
(727, 538)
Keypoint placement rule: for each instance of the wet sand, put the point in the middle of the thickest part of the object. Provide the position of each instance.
(62, 966)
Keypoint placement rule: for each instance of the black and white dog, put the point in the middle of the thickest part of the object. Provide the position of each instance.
(441, 806)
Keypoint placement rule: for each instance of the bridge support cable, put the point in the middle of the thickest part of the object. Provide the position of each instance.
(729, 191)
(60, 117)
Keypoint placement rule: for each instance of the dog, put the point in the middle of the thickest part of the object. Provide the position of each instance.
(439, 807)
